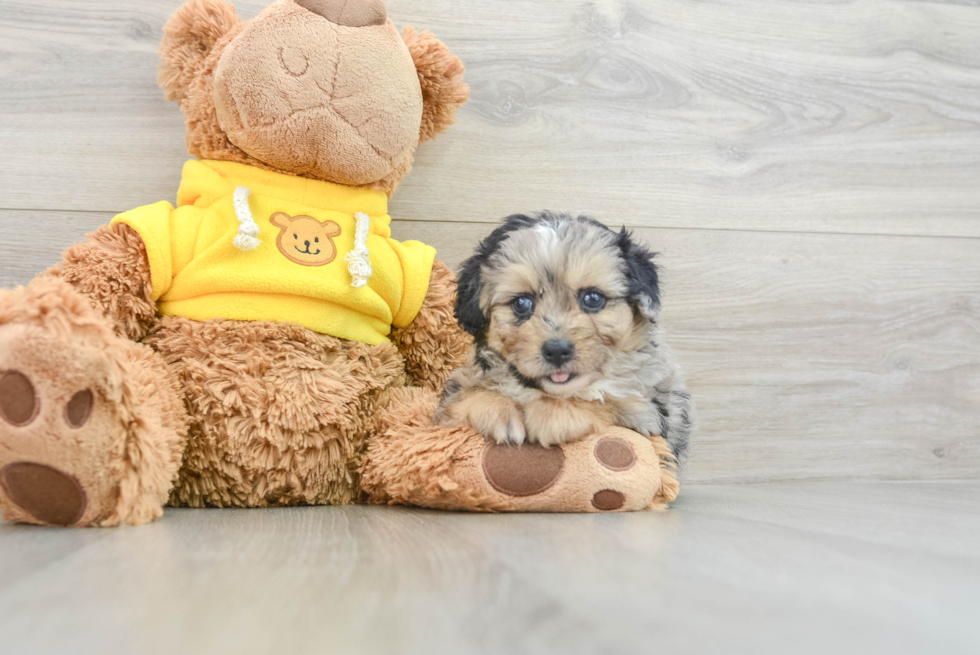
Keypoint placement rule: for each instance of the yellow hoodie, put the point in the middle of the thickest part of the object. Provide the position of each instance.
(253, 245)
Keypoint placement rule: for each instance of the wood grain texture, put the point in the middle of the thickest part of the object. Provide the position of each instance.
(809, 355)
(860, 116)
(775, 568)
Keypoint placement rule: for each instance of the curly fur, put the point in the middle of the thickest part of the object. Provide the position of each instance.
(278, 413)
(618, 370)
(111, 269)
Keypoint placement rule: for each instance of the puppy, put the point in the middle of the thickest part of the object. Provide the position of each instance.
(564, 315)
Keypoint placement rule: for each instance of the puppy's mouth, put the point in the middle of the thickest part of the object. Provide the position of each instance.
(561, 377)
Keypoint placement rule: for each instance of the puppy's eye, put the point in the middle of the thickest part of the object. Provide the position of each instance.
(317, 240)
(523, 306)
(296, 236)
(591, 301)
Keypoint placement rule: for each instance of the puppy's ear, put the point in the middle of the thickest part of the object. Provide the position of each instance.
(441, 76)
(188, 38)
(469, 313)
(644, 283)
(469, 288)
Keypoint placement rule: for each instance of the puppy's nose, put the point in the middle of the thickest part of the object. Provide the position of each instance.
(558, 351)
(351, 13)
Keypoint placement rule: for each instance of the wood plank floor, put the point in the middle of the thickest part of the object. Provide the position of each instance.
(769, 568)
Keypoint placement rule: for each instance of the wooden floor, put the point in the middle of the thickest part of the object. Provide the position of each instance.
(810, 172)
(775, 568)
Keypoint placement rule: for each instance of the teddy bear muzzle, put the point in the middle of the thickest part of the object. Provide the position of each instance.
(349, 13)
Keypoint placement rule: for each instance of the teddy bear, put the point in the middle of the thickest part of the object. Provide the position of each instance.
(266, 342)
(233, 351)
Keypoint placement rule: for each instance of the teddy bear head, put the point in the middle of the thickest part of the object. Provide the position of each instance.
(324, 89)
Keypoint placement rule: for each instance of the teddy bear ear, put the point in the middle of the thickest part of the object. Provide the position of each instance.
(281, 219)
(441, 76)
(188, 38)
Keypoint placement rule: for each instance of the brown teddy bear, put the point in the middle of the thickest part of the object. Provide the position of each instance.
(247, 337)
(267, 342)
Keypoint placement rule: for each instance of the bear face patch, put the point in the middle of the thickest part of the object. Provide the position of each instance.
(305, 240)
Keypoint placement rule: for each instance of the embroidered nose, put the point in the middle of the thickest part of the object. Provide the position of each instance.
(558, 351)
(350, 13)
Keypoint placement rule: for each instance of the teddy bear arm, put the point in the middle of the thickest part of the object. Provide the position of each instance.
(110, 268)
(411, 461)
(433, 345)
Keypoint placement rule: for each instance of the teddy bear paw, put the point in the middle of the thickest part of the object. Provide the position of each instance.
(52, 426)
(413, 462)
(617, 470)
(79, 445)
(44, 492)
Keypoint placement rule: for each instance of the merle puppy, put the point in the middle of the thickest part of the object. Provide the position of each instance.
(564, 315)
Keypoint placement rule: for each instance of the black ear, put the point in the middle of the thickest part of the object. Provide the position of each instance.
(470, 286)
(471, 318)
(644, 283)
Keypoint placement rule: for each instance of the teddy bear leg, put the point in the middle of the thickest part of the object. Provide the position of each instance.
(413, 462)
(92, 426)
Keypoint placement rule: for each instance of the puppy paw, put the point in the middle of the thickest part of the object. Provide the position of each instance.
(494, 416)
(553, 421)
(508, 429)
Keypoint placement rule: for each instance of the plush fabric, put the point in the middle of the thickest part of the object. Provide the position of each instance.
(197, 271)
(253, 414)
(111, 269)
(412, 462)
(124, 453)
(191, 356)
(278, 413)
(126, 375)
(433, 344)
(194, 44)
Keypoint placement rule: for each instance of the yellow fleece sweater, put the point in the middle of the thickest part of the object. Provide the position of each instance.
(281, 255)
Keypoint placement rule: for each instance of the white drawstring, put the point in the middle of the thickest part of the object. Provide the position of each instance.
(359, 259)
(248, 230)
